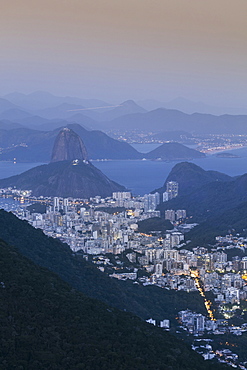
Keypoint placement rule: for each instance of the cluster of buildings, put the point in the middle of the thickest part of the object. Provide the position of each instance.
(225, 355)
(194, 322)
(172, 215)
(151, 201)
(198, 324)
(86, 225)
(109, 227)
(152, 259)
(171, 191)
(164, 324)
(91, 226)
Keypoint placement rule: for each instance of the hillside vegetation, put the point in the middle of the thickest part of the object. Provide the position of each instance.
(46, 324)
(145, 302)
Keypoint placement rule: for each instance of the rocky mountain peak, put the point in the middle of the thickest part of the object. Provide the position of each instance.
(68, 146)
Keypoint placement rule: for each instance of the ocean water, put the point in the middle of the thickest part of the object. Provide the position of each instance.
(8, 169)
(142, 176)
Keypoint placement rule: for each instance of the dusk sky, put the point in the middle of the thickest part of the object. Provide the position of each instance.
(133, 49)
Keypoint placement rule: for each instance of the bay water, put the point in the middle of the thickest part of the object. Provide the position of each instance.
(143, 176)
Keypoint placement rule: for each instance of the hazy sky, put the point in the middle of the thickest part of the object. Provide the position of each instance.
(126, 49)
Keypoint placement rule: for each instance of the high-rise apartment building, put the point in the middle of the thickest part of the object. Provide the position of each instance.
(172, 189)
(56, 206)
(121, 195)
(65, 205)
(151, 201)
(170, 215)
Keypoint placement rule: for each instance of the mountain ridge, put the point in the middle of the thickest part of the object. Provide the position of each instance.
(162, 119)
(40, 143)
(212, 194)
(51, 253)
(174, 151)
(47, 324)
(191, 176)
(69, 174)
(98, 144)
(75, 179)
(42, 100)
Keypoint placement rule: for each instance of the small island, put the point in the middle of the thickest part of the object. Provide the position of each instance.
(226, 155)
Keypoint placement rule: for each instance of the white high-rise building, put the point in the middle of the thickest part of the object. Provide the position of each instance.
(176, 238)
(165, 196)
(65, 205)
(172, 189)
(82, 212)
(120, 195)
(151, 201)
(158, 269)
(56, 204)
(170, 215)
(199, 323)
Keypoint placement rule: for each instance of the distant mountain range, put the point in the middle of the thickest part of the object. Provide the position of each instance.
(41, 100)
(14, 114)
(190, 107)
(50, 106)
(8, 125)
(161, 119)
(179, 115)
(6, 105)
(103, 113)
(32, 145)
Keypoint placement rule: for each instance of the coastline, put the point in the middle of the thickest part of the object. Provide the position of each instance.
(214, 150)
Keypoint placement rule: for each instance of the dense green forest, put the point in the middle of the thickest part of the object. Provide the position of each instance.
(82, 275)
(154, 224)
(230, 221)
(46, 324)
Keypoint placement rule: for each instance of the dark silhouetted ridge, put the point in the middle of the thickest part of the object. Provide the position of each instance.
(45, 324)
(191, 177)
(77, 179)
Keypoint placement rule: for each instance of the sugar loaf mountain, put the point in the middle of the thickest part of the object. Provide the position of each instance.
(69, 174)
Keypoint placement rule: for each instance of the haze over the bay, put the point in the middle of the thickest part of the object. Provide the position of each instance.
(115, 50)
